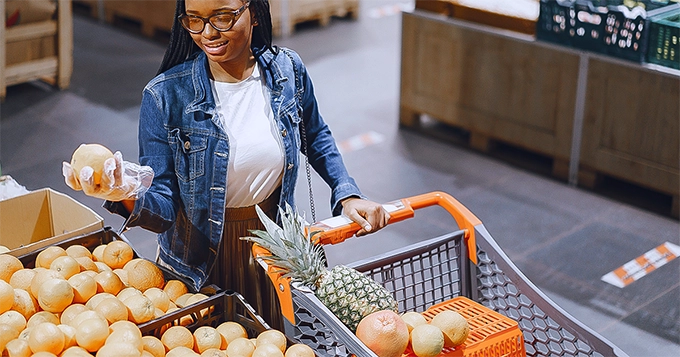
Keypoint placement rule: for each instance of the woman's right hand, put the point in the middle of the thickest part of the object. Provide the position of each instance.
(120, 180)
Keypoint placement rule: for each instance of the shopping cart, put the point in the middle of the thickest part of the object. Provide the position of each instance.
(466, 262)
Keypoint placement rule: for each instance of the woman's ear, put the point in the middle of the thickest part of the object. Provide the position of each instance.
(253, 20)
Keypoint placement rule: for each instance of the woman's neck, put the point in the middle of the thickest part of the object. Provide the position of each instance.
(230, 72)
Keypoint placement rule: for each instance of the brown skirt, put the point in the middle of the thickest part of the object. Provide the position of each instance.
(237, 270)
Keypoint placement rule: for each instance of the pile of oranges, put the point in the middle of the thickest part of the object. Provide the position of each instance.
(77, 302)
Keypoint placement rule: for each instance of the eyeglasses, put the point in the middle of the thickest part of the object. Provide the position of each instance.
(222, 22)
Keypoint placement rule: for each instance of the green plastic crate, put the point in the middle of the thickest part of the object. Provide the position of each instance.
(664, 39)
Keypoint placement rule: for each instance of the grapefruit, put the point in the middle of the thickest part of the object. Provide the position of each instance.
(384, 332)
(92, 155)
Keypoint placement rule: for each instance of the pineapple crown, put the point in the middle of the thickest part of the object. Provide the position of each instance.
(293, 252)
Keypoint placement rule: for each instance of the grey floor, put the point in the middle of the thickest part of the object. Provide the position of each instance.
(563, 238)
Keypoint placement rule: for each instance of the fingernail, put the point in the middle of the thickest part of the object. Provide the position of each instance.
(368, 228)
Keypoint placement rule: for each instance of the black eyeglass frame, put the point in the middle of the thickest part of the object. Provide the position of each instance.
(207, 20)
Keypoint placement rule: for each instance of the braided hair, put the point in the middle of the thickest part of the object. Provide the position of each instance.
(182, 46)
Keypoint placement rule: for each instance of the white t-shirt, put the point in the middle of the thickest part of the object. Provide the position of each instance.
(256, 155)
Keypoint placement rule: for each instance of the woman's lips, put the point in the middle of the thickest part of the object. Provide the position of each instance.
(215, 48)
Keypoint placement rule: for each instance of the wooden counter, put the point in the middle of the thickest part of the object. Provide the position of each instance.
(593, 115)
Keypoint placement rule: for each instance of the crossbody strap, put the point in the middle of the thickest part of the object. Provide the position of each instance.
(303, 136)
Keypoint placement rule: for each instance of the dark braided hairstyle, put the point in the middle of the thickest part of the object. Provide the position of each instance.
(182, 46)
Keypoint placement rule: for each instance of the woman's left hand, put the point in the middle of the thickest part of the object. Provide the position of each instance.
(370, 216)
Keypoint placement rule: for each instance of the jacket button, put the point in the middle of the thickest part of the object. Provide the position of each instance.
(187, 145)
(284, 132)
(290, 166)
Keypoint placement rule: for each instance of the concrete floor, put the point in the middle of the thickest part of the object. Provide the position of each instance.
(563, 238)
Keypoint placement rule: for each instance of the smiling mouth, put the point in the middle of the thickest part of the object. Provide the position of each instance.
(216, 45)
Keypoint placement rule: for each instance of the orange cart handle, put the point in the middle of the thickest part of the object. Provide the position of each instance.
(337, 229)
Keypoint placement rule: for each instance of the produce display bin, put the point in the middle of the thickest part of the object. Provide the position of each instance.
(555, 21)
(664, 39)
(466, 262)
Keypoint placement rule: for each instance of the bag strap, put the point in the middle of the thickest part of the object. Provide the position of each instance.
(303, 137)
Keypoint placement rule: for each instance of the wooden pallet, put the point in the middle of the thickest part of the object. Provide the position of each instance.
(40, 50)
(303, 11)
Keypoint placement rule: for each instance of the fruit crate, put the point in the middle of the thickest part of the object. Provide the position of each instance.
(664, 39)
(466, 262)
(555, 21)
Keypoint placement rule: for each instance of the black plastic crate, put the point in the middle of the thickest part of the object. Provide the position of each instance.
(589, 25)
(664, 39)
(555, 21)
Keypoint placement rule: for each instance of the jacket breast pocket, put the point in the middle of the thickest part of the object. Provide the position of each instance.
(190, 151)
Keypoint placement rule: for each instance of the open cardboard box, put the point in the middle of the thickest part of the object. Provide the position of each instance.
(43, 217)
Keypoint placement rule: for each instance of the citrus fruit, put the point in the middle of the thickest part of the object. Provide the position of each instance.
(98, 253)
(427, 340)
(454, 326)
(42, 316)
(177, 336)
(128, 336)
(55, 295)
(118, 349)
(299, 350)
(92, 155)
(21, 279)
(240, 347)
(6, 296)
(108, 282)
(384, 332)
(75, 351)
(24, 303)
(17, 348)
(153, 345)
(69, 335)
(206, 337)
(91, 334)
(78, 251)
(175, 289)
(87, 264)
(7, 333)
(8, 265)
(267, 350)
(84, 287)
(140, 309)
(182, 351)
(70, 312)
(41, 276)
(66, 265)
(123, 275)
(112, 309)
(145, 275)
(413, 319)
(84, 316)
(46, 337)
(232, 330)
(97, 298)
(117, 254)
(213, 352)
(274, 337)
(160, 298)
(47, 255)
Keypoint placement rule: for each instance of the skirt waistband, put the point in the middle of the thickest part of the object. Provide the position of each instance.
(249, 212)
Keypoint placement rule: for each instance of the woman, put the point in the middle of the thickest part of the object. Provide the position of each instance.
(221, 128)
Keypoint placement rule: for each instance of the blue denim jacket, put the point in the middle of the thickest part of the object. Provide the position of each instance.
(181, 139)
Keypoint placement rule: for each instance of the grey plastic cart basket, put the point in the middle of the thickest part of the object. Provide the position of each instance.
(437, 270)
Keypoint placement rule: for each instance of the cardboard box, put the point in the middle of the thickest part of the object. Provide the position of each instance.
(43, 217)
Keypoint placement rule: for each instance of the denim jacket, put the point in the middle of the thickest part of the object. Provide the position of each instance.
(181, 139)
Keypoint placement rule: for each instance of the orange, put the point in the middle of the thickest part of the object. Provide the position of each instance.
(87, 264)
(177, 336)
(14, 319)
(300, 350)
(123, 275)
(4, 249)
(182, 300)
(118, 349)
(84, 316)
(123, 325)
(24, 303)
(101, 266)
(66, 266)
(185, 320)
(55, 295)
(240, 347)
(127, 292)
(128, 336)
(174, 289)
(21, 279)
(43, 354)
(6, 296)
(232, 330)
(131, 264)
(41, 276)
(8, 265)
(7, 333)
(196, 298)
(117, 253)
(182, 351)
(42, 316)
(46, 337)
(97, 298)
(160, 298)
(112, 309)
(413, 319)
(145, 275)
(384, 332)
(98, 253)
(69, 335)
(92, 333)
(70, 312)
(18, 348)
(427, 340)
(78, 251)
(206, 337)
(92, 155)
(274, 337)
(454, 326)
(47, 255)
(140, 309)
(109, 282)
(75, 351)
(84, 287)
(153, 345)
(213, 352)
(267, 350)
(23, 335)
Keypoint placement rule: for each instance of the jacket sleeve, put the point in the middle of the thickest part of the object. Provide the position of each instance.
(156, 210)
(323, 152)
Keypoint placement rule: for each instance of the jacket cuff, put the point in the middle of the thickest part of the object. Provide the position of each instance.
(341, 192)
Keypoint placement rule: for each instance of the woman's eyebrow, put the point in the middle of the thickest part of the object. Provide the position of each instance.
(221, 9)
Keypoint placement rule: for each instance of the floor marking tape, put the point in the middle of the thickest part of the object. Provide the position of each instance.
(642, 265)
(361, 141)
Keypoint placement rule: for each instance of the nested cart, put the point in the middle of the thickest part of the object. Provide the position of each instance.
(464, 263)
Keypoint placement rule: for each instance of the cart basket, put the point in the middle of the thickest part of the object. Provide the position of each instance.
(466, 262)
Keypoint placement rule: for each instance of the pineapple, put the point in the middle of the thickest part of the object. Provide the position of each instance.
(347, 293)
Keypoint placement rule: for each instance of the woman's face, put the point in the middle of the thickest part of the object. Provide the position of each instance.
(225, 48)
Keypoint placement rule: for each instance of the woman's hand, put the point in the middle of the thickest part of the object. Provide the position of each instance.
(370, 216)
